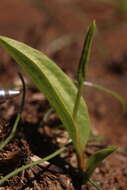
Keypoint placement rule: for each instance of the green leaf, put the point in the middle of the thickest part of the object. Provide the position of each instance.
(80, 78)
(85, 53)
(55, 84)
(82, 65)
(96, 159)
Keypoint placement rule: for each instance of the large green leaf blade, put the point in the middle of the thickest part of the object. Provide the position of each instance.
(57, 86)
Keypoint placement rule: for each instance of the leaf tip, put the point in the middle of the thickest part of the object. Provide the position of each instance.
(92, 27)
(113, 148)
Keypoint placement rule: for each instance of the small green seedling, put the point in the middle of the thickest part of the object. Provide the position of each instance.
(64, 97)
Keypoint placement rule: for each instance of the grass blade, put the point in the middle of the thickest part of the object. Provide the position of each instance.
(110, 92)
(24, 167)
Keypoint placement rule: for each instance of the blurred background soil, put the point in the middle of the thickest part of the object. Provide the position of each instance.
(40, 23)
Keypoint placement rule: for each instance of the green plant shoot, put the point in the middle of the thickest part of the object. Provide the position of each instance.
(80, 79)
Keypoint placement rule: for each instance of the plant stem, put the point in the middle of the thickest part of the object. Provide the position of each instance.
(80, 153)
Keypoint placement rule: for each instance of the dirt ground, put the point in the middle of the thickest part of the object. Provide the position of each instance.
(39, 24)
